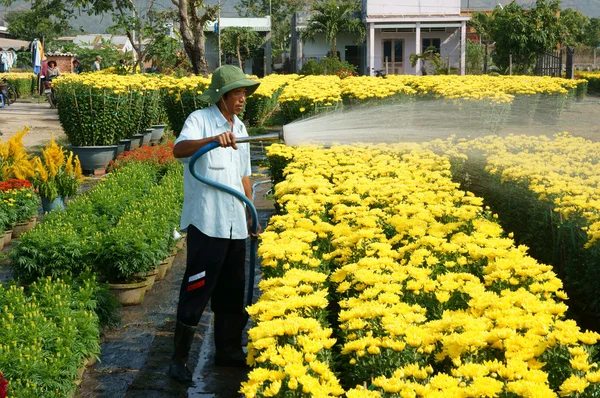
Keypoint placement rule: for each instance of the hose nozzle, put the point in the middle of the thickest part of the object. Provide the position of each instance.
(261, 138)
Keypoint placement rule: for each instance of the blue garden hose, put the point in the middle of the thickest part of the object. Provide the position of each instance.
(241, 196)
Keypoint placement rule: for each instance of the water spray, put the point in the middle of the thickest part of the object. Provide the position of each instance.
(390, 123)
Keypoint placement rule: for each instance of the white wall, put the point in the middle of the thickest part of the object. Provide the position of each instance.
(412, 7)
(319, 48)
(450, 47)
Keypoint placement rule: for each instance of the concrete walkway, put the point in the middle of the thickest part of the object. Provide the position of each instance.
(42, 121)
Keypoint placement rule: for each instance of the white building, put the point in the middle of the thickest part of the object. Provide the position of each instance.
(398, 28)
(395, 30)
(252, 65)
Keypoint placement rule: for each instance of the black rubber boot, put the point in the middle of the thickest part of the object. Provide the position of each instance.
(178, 369)
(228, 340)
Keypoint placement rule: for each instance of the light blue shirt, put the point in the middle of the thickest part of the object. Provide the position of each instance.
(215, 213)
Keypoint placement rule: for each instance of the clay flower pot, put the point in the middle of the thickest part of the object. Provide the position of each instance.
(20, 229)
(7, 237)
(129, 293)
(162, 269)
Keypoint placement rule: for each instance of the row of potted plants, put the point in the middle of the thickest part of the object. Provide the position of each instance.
(19, 205)
(49, 332)
(104, 115)
(121, 230)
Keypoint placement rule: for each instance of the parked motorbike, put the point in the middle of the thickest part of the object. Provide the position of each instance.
(8, 92)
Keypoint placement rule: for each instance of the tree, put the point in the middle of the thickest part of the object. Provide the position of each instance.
(280, 12)
(241, 42)
(332, 18)
(525, 34)
(575, 24)
(191, 26)
(34, 24)
(482, 23)
(592, 33)
(164, 52)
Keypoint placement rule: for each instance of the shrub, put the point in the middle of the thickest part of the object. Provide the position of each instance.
(328, 66)
(47, 333)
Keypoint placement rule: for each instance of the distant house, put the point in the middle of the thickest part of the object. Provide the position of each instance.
(95, 41)
(301, 51)
(395, 30)
(3, 30)
(251, 66)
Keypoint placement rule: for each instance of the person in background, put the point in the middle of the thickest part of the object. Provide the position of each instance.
(76, 66)
(96, 64)
(217, 223)
(52, 70)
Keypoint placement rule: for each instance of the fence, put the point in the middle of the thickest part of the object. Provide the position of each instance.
(549, 64)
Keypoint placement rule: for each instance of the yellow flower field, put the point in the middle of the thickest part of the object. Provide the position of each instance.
(433, 299)
(547, 191)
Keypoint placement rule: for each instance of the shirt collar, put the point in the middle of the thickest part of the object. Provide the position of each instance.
(220, 119)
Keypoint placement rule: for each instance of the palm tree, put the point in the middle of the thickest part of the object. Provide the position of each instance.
(332, 18)
(482, 23)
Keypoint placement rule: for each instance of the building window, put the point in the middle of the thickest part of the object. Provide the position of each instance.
(432, 43)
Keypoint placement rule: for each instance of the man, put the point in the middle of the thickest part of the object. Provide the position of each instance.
(96, 64)
(216, 222)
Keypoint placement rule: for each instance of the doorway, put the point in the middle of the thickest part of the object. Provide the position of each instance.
(393, 56)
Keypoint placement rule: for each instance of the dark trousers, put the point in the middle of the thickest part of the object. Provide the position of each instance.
(214, 270)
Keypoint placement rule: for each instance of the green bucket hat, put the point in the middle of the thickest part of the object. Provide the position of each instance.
(227, 78)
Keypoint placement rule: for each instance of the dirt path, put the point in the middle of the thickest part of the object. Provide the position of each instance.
(41, 120)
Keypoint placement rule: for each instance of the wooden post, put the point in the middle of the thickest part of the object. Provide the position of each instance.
(418, 47)
(372, 49)
(386, 66)
(463, 48)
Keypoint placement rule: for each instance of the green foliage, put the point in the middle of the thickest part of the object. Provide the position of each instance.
(240, 42)
(525, 34)
(592, 33)
(328, 66)
(35, 23)
(24, 86)
(96, 116)
(27, 204)
(121, 227)
(475, 57)
(9, 214)
(47, 333)
(280, 12)
(575, 24)
(165, 53)
(259, 108)
(109, 52)
(332, 18)
(179, 106)
(432, 62)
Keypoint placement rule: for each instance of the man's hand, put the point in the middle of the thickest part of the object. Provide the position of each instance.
(258, 231)
(226, 140)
